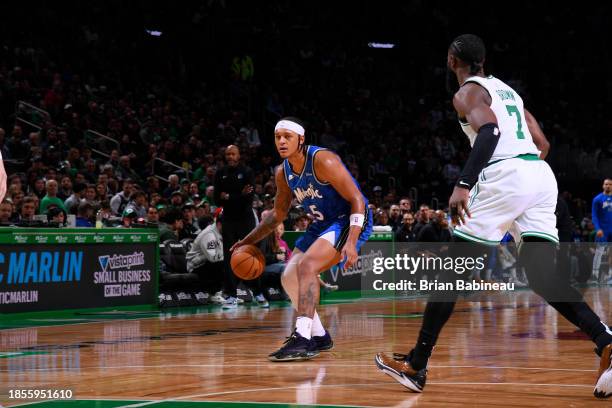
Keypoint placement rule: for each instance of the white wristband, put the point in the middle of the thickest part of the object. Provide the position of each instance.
(357, 219)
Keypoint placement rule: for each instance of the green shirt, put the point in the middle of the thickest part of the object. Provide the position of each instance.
(47, 201)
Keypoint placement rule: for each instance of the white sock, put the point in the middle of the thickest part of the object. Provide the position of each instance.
(317, 326)
(303, 325)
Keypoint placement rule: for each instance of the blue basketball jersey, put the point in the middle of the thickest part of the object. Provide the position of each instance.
(318, 199)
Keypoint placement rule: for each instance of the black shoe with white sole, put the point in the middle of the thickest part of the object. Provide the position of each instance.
(399, 368)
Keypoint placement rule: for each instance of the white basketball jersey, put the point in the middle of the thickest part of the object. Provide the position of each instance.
(507, 105)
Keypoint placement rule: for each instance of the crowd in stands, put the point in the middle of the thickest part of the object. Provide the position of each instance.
(134, 138)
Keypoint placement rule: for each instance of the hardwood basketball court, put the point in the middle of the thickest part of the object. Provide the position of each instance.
(507, 350)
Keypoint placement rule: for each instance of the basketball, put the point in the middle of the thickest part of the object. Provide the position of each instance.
(247, 262)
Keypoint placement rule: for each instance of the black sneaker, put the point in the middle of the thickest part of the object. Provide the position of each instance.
(324, 342)
(399, 368)
(295, 348)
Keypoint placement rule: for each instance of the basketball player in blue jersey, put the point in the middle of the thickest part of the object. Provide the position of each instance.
(342, 223)
(504, 187)
(602, 220)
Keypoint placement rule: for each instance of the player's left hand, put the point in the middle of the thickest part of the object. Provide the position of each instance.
(349, 255)
(458, 205)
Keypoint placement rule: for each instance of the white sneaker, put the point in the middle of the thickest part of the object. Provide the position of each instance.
(230, 303)
(603, 388)
(262, 301)
(218, 298)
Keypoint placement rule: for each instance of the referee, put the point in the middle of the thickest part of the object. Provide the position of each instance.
(234, 192)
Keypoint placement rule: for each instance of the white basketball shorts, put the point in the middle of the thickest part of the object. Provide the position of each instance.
(517, 195)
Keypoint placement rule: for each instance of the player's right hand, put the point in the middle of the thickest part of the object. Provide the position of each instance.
(236, 245)
(599, 233)
(458, 205)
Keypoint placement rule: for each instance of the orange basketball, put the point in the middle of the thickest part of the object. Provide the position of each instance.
(247, 262)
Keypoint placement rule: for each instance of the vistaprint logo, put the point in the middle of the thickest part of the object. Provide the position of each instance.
(121, 261)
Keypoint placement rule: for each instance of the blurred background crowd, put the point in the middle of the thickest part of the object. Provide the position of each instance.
(120, 115)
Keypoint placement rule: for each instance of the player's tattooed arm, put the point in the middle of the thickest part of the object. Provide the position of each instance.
(329, 168)
(282, 204)
(538, 136)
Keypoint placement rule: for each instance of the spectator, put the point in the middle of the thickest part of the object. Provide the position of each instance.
(39, 188)
(210, 198)
(436, 230)
(173, 185)
(28, 209)
(301, 223)
(395, 217)
(405, 233)
(138, 203)
(171, 226)
(128, 217)
(73, 201)
(205, 259)
(405, 205)
(121, 199)
(6, 212)
(124, 170)
(51, 197)
(65, 190)
(190, 226)
(152, 215)
(381, 218)
(85, 213)
(57, 216)
(176, 199)
(91, 196)
(422, 219)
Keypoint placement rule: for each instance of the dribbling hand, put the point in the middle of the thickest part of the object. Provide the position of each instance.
(236, 245)
(458, 205)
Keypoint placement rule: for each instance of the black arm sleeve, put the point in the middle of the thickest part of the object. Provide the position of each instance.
(484, 146)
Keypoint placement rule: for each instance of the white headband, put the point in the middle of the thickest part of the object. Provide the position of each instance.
(290, 125)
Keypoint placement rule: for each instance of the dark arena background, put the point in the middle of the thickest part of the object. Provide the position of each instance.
(138, 142)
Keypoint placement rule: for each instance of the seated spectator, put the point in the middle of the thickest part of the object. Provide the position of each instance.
(395, 217)
(301, 223)
(138, 202)
(277, 255)
(171, 225)
(27, 210)
(73, 201)
(190, 225)
(57, 216)
(85, 213)
(51, 197)
(90, 196)
(173, 185)
(6, 212)
(405, 233)
(381, 218)
(436, 230)
(39, 188)
(205, 259)
(152, 215)
(128, 217)
(65, 189)
(176, 199)
(121, 199)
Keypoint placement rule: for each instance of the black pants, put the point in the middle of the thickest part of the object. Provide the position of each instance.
(234, 230)
(211, 276)
(540, 266)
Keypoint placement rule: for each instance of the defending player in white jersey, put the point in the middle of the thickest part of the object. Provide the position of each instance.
(504, 186)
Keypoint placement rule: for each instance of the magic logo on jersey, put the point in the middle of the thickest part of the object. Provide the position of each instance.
(310, 192)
